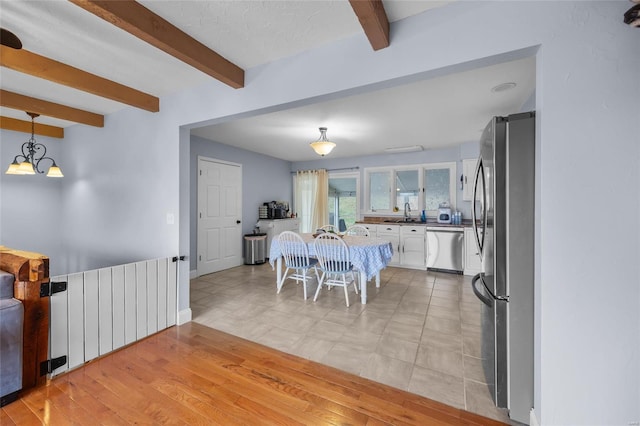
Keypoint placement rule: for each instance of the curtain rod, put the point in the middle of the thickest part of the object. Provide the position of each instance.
(330, 170)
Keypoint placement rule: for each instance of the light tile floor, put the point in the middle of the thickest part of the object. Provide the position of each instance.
(420, 331)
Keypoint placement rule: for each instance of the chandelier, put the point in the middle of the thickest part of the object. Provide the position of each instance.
(28, 163)
(322, 146)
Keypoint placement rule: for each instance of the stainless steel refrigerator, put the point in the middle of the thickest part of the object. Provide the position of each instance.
(503, 218)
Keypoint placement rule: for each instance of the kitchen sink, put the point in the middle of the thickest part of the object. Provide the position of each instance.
(401, 221)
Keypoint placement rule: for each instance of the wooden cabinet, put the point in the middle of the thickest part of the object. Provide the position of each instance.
(468, 173)
(412, 242)
(391, 233)
(472, 262)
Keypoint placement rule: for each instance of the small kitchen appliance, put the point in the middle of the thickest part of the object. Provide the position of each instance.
(263, 211)
(277, 210)
(444, 213)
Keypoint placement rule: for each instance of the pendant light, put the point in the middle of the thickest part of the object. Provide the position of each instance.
(28, 163)
(322, 146)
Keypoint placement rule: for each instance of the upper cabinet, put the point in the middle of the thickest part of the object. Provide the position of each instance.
(468, 174)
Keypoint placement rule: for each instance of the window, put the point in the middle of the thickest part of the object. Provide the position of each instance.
(424, 187)
(439, 187)
(343, 199)
(379, 190)
(408, 189)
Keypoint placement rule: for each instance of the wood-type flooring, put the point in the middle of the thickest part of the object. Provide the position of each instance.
(195, 375)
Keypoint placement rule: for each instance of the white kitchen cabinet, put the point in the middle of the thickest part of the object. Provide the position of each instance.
(373, 229)
(273, 227)
(412, 243)
(468, 173)
(472, 262)
(391, 233)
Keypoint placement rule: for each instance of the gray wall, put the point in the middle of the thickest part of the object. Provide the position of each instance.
(264, 179)
(457, 154)
(120, 184)
(30, 205)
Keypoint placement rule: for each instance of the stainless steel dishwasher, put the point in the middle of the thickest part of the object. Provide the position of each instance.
(445, 248)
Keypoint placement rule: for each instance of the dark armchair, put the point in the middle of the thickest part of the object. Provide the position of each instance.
(11, 323)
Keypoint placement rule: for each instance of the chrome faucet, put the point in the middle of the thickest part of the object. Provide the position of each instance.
(407, 212)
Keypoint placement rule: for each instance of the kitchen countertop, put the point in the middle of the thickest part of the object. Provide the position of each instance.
(429, 223)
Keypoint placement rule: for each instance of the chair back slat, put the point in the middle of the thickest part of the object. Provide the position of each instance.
(332, 253)
(294, 250)
(357, 230)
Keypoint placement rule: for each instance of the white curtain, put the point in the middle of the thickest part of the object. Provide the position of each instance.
(311, 191)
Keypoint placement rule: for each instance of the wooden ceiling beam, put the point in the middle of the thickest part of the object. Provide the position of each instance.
(50, 109)
(373, 20)
(146, 25)
(39, 66)
(24, 126)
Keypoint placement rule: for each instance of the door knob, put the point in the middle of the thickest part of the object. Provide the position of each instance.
(238, 221)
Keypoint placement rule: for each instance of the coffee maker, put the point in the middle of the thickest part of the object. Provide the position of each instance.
(277, 210)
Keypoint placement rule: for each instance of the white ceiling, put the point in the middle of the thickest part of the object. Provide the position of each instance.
(432, 113)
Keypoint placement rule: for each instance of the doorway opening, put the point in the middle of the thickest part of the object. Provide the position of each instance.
(343, 199)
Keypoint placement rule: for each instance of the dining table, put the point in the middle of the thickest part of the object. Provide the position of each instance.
(368, 255)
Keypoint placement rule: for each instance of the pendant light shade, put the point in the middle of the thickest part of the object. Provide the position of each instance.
(322, 146)
(54, 171)
(13, 168)
(26, 168)
(28, 162)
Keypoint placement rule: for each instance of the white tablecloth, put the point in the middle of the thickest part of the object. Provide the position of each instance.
(368, 255)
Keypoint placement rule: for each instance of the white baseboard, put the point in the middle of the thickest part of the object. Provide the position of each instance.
(184, 316)
(193, 274)
(533, 420)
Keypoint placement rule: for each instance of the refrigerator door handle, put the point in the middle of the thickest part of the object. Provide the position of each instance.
(484, 299)
(478, 174)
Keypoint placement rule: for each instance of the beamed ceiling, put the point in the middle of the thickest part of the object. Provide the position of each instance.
(141, 22)
(84, 59)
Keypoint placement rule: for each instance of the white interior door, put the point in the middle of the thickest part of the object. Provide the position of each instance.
(219, 215)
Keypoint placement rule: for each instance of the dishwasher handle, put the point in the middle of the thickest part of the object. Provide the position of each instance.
(444, 229)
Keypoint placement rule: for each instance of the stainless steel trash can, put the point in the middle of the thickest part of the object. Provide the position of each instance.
(255, 249)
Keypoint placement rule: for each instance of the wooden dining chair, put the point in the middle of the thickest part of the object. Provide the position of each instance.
(335, 264)
(296, 259)
(357, 230)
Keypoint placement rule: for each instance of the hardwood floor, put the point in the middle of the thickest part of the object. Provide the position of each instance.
(193, 374)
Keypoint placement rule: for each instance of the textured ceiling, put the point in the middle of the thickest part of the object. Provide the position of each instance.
(433, 113)
(250, 33)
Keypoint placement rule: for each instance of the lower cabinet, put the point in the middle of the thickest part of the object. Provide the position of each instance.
(412, 241)
(391, 233)
(273, 228)
(408, 244)
(472, 262)
(373, 229)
